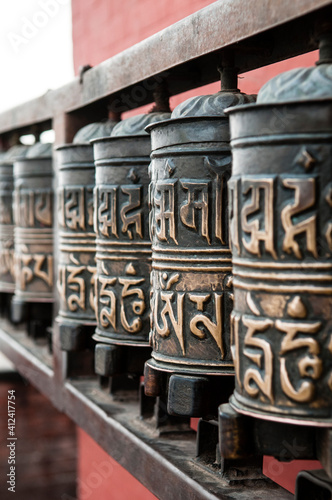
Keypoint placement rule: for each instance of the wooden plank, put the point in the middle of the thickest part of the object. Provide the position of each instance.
(27, 364)
(186, 54)
(165, 466)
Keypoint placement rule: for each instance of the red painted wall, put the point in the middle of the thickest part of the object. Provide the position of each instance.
(102, 478)
(45, 451)
(101, 29)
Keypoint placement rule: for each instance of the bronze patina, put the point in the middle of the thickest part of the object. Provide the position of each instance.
(77, 242)
(281, 235)
(123, 246)
(7, 261)
(7, 267)
(33, 235)
(191, 297)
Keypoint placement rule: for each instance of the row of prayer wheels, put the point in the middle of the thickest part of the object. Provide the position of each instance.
(204, 235)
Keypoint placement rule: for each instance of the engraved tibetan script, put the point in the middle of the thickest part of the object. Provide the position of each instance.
(75, 206)
(195, 205)
(109, 202)
(197, 201)
(131, 300)
(169, 316)
(304, 198)
(297, 365)
(261, 192)
(33, 207)
(164, 203)
(275, 209)
(31, 267)
(76, 292)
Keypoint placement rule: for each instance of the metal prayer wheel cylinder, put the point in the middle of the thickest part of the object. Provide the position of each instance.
(33, 234)
(77, 241)
(123, 247)
(281, 235)
(191, 296)
(7, 266)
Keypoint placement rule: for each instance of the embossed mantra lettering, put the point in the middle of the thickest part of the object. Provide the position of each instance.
(131, 212)
(260, 216)
(75, 207)
(33, 207)
(198, 208)
(131, 299)
(76, 280)
(295, 337)
(35, 266)
(168, 313)
(71, 279)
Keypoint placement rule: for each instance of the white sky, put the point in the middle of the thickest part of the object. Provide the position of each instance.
(35, 49)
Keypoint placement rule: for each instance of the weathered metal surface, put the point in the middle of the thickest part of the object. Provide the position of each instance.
(313, 484)
(121, 223)
(33, 199)
(280, 209)
(33, 236)
(76, 267)
(191, 263)
(191, 280)
(7, 267)
(244, 440)
(77, 242)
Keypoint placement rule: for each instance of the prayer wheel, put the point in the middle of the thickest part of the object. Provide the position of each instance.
(33, 236)
(77, 241)
(123, 247)
(191, 296)
(281, 235)
(7, 266)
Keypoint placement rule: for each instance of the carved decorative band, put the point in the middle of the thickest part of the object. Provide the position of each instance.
(100, 336)
(100, 256)
(277, 276)
(281, 265)
(33, 231)
(300, 288)
(194, 260)
(64, 248)
(193, 362)
(7, 287)
(70, 241)
(199, 268)
(125, 251)
(131, 244)
(20, 238)
(240, 404)
(63, 234)
(191, 251)
(283, 139)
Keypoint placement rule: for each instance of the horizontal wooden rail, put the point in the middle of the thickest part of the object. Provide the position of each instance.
(117, 428)
(186, 54)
